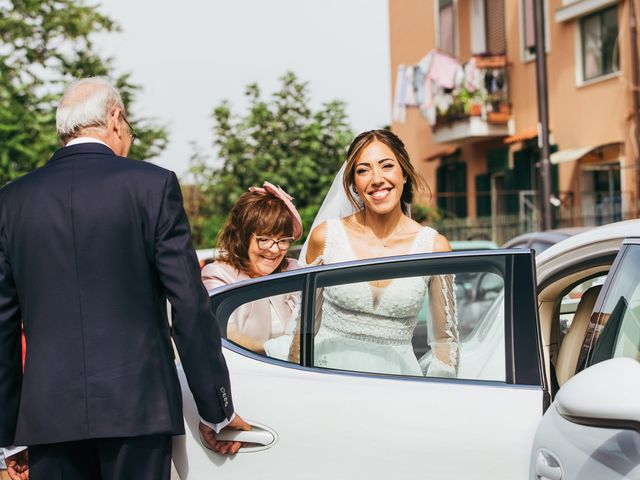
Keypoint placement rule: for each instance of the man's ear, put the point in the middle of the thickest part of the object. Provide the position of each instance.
(116, 124)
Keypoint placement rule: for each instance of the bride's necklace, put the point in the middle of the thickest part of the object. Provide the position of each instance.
(386, 241)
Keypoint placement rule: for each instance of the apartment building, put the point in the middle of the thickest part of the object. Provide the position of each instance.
(465, 103)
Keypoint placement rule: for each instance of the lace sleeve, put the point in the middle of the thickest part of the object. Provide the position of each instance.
(443, 327)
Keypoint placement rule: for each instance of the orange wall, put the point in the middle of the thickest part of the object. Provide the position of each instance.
(578, 116)
(412, 35)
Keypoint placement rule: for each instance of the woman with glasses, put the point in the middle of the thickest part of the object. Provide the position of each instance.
(261, 227)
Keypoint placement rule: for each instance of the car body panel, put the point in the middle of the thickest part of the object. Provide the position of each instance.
(581, 452)
(335, 424)
(591, 431)
(329, 424)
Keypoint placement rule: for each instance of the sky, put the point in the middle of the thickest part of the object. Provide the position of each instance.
(190, 55)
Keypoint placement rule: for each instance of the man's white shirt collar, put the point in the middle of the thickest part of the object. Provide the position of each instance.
(79, 140)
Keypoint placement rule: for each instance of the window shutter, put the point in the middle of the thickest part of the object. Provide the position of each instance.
(529, 26)
(494, 14)
(441, 188)
(460, 188)
(483, 194)
(446, 15)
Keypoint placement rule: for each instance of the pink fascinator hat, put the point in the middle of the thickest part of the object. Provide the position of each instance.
(286, 199)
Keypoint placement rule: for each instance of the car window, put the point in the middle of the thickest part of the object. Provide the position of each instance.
(410, 326)
(261, 320)
(430, 315)
(617, 333)
(570, 301)
(266, 325)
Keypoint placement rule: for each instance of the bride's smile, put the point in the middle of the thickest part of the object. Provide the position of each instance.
(380, 194)
(379, 179)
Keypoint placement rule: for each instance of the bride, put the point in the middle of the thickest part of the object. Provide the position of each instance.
(368, 326)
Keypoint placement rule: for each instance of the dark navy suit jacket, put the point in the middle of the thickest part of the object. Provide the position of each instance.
(91, 247)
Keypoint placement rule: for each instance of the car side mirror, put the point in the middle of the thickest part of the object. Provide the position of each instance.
(603, 395)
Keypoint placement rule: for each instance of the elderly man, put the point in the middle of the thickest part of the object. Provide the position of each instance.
(91, 247)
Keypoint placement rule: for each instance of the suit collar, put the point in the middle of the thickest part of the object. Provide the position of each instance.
(81, 149)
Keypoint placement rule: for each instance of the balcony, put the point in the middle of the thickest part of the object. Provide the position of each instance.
(479, 108)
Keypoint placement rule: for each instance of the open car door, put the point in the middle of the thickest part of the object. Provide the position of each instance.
(316, 422)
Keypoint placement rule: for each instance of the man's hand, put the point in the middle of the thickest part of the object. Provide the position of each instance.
(18, 465)
(224, 447)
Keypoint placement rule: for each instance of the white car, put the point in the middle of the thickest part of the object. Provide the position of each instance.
(592, 430)
(313, 422)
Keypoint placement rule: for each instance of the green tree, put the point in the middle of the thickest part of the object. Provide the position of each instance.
(281, 140)
(43, 45)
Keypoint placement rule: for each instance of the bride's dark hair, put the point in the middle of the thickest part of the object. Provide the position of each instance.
(392, 141)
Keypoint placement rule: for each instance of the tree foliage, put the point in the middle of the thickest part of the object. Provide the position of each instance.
(281, 140)
(43, 45)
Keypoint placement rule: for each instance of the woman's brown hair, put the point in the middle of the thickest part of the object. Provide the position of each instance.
(397, 147)
(259, 213)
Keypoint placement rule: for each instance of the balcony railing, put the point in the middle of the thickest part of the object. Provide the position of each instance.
(511, 216)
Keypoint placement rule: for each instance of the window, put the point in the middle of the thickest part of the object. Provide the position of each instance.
(600, 193)
(488, 27)
(266, 325)
(451, 183)
(413, 326)
(446, 26)
(495, 23)
(598, 39)
(261, 320)
(527, 30)
(444, 315)
(570, 302)
(617, 333)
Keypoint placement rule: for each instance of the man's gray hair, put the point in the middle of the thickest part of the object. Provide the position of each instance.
(86, 103)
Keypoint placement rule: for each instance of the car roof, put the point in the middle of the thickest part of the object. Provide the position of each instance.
(618, 230)
(547, 236)
(597, 242)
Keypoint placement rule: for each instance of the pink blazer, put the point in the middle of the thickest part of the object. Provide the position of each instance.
(252, 319)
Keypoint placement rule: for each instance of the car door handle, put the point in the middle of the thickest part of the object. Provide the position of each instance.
(256, 435)
(547, 466)
(258, 438)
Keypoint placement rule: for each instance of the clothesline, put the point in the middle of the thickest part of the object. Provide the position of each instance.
(431, 83)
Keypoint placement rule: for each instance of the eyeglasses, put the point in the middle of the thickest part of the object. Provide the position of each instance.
(265, 243)
(132, 133)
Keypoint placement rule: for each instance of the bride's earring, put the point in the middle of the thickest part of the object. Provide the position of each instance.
(355, 190)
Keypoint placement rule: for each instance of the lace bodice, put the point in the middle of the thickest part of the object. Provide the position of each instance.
(388, 315)
(385, 315)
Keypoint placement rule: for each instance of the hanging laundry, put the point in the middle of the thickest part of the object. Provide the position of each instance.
(459, 76)
(425, 95)
(399, 106)
(471, 75)
(444, 70)
(419, 77)
(410, 94)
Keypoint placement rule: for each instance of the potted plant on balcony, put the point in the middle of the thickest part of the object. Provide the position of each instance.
(472, 101)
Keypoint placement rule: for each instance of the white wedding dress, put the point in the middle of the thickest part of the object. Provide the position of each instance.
(369, 329)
